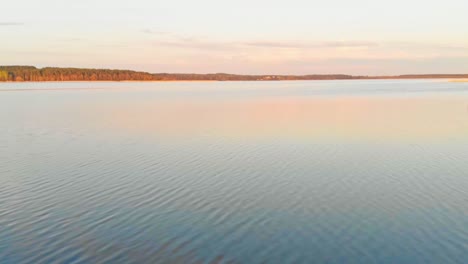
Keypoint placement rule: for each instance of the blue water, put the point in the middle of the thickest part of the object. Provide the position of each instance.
(234, 172)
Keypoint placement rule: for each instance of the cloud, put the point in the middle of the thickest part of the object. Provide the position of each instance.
(73, 39)
(155, 32)
(272, 44)
(11, 24)
(349, 44)
(192, 42)
(175, 40)
(426, 45)
(305, 45)
(195, 44)
(353, 56)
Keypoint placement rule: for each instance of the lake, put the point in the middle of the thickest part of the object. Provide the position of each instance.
(362, 171)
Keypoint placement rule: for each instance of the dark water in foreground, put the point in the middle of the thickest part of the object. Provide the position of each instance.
(275, 172)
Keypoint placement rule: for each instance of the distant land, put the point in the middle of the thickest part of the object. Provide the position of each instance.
(53, 74)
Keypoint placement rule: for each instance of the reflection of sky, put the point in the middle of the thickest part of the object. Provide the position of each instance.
(347, 118)
(356, 37)
(400, 110)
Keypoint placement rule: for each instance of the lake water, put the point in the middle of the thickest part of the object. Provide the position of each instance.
(371, 171)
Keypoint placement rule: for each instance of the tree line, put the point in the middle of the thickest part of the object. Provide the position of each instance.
(33, 74)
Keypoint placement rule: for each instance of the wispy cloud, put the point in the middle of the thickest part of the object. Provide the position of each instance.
(173, 39)
(304, 45)
(177, 40)
(181, 51)
(73, 39)
(273, 44)
(349, 44)
(195, 44)
(261, 49)
(155, 32)
(11, 24)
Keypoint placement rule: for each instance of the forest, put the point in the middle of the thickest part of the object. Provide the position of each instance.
(33, 74)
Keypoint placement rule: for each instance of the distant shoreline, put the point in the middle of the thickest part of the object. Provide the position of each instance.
(456, 80)
(54, 74)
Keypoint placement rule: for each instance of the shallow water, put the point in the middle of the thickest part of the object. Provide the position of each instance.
(242, 172)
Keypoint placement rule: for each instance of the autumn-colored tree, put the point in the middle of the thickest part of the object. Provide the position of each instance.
(3, 76)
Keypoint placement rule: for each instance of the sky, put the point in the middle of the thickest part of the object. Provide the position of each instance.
(360, 37)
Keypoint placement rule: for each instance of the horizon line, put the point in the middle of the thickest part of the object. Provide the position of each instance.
(238, 74)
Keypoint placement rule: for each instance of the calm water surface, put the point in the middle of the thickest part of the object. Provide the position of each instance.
(234, 172)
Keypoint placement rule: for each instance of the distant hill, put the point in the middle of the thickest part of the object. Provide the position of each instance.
(33, 74)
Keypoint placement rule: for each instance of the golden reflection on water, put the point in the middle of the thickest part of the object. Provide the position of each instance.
(341, 118)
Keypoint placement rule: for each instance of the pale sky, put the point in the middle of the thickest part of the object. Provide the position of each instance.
(244, 36)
